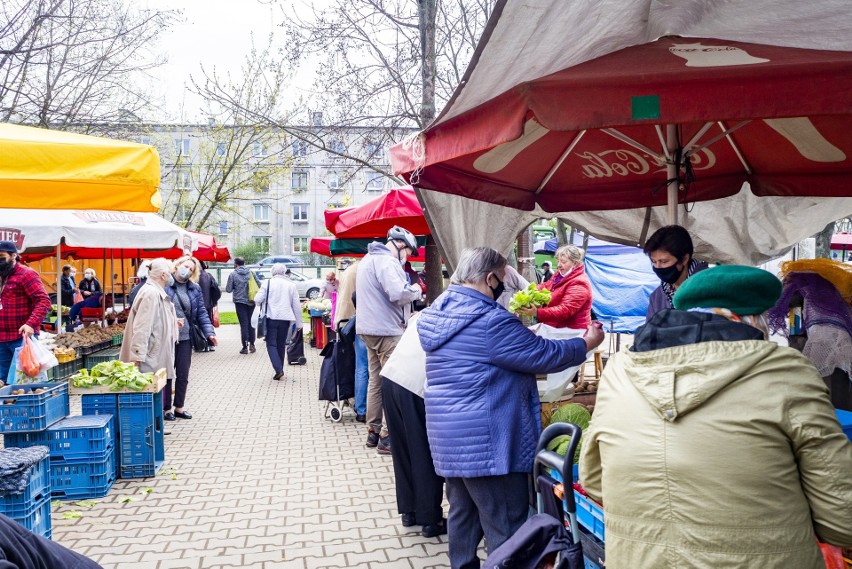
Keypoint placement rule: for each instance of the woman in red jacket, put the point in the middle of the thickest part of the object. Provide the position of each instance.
(571, 301)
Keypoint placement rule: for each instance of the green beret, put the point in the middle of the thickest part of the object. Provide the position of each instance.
(742, 290)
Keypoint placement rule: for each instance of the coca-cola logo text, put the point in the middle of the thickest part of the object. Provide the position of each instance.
(622, 162)
(13, 235)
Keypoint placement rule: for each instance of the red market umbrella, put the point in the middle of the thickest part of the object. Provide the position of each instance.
(676, 120)
(331, 247)
(321, 246)
(397, 207)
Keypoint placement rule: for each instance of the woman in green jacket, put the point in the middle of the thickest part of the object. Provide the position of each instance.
(711, 447)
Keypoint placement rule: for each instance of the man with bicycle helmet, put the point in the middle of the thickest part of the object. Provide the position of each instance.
(383, 306)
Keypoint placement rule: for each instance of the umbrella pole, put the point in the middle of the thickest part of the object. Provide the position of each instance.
(59, 325)
(112, 276)
(123, 284)
(671, 173)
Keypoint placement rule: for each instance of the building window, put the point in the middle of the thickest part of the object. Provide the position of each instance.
(333, 181)
(316, 118)
(223, 228)
(300, 148)
(261, 212)
(182, 213)
(299, 181)
(146, 140)
(337, 145)
(300, 212)
(262, 243)
(220, 149)
(183, 180)
(261, 182)
(258, 149)
(182, 146)
(375, 182)
(372, 149)
(300, 245)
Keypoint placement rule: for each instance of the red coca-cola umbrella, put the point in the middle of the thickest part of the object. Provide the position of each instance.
(676, 120)
(373, 219)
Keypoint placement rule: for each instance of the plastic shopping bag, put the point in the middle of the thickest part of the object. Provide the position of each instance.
(78, 296)
(215, 316)
(45, 357)
(17, 375)
(27, 359)
(554, 387)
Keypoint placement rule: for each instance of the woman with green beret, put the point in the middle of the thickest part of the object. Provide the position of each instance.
(713, 447)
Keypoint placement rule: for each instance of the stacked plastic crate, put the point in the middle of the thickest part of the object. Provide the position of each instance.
(26, 409)
(140, 448)
(82, 455)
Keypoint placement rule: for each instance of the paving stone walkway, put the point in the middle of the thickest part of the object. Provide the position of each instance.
(258, 478)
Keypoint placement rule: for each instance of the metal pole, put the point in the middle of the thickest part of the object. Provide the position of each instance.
(123, 284)
(671, 173)
(112, 275)
(59, 326)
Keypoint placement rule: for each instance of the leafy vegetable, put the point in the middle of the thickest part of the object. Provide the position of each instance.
(117, 375)
(529, 297)
(72, 515)
(127, 499)
(86, 503)
(571, 413)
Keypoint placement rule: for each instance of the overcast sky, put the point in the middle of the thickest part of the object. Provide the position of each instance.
(213, 32)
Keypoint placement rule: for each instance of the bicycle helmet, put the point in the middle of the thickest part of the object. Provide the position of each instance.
(398, 233)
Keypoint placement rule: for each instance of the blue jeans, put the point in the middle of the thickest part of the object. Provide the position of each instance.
(7, 352)
(276, 342)
(362, 376)
(494, 506)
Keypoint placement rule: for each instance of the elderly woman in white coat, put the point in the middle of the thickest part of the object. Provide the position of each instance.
(278, 299)
(152, 326)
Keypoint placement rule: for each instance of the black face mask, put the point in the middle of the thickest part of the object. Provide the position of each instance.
(5, 267)
(669, 274)
(497, 290)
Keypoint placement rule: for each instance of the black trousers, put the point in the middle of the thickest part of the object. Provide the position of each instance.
(418, 488)
(183, 359)
(244, 316)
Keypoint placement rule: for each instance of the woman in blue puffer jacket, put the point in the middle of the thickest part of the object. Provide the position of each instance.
(189, 306)
(483, 415)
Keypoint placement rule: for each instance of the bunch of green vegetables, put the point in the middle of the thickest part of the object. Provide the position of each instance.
(529, 297)
(571, 413)
(116, 375)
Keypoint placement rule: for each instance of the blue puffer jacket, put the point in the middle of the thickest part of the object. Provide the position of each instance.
(198, 313)
(483, 415)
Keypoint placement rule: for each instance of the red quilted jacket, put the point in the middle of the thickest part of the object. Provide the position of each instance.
(570, 303)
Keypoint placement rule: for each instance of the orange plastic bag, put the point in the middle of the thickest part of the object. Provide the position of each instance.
(215, 316)
(78, 296)
(27, 360)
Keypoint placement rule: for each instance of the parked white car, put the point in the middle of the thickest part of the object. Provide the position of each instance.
(308, 288)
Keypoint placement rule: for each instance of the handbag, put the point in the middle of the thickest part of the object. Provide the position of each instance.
(261, 318)
(196, 335)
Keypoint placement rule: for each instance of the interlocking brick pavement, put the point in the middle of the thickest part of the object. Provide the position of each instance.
(257, 478)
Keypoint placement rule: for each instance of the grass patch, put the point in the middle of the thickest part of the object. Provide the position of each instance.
(231, 318)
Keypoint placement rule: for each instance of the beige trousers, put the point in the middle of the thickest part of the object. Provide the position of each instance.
(379, 349)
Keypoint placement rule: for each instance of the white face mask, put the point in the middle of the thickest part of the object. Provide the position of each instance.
(89, 276)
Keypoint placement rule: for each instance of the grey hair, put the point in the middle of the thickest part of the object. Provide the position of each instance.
(278, 269)
(159, 267)
(572, 253)
(475, 264)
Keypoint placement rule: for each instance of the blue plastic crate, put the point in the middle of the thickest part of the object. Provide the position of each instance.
(590, 515)
(140, 431)
(64, 370)
(845, 418)
(32, 412)
(37, 488)
(35, 516)
(79, 437)
(589, 564)
(83, 479)
(100, 404)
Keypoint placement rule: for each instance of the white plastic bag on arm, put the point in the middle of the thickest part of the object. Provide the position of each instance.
(553, 388)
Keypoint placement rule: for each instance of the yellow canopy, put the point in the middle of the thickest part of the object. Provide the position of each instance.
(48, 169)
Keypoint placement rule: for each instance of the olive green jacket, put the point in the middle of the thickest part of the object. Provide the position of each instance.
(724, 454)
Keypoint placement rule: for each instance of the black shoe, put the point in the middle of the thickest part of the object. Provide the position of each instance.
(434, 530)
(384, 446)
(408, 520)
(252, 348)
(183, 415)
(361, 418)
(372, 440)
(278, 376)
(244, 351)
(169, 416)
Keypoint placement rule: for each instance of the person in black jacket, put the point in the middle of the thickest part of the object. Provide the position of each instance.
(210, 292)
(68, 286)
(90, 288)
(22, 549)
(189, 306)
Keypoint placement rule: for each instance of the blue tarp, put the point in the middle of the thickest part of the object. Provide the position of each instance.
(622, 282)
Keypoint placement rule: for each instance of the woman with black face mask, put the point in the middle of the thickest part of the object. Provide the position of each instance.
(670, 250)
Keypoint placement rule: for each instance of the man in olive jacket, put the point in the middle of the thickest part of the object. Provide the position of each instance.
(712, 447)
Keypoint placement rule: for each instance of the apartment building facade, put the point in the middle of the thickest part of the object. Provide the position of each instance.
(266, 186)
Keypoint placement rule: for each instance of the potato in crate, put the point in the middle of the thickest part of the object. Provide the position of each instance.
(32, 407)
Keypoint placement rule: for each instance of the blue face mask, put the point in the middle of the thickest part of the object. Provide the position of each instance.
(171, 281)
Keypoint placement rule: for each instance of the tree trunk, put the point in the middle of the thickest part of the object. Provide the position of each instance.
(823, 242)
(427, 10)
(561, 233)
